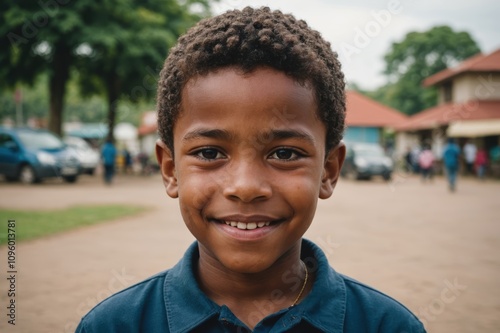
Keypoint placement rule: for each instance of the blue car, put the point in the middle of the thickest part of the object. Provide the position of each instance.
(30, 155)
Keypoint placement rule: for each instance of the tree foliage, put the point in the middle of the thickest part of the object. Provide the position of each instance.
(114, 46)
(78, 108)
(34, 101)
(418, 56)
(40, 37)
(127, 45)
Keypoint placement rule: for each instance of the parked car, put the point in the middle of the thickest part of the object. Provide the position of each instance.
(364, 160)
(31, 155)
(88, 157)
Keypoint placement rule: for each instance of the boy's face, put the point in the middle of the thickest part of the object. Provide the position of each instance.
(249, 165)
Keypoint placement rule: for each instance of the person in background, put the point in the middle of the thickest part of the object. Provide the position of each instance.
(127, 161)
(108, 155)
(451, 154)
(415, 153)
(495, 160)
(426, 163)
(470, 151)
(408, 161)
(481, 162)
(495, 154)
(143, 159)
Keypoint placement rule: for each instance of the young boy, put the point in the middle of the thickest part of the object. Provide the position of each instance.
(251, 112)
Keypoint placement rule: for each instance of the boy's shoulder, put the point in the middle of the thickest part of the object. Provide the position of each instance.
(362, 308)
(165, 302)
(121, 310)
(368, 308)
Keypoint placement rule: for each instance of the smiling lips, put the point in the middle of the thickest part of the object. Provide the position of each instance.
(247, 226)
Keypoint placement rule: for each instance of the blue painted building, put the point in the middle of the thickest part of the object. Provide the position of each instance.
(366, 119)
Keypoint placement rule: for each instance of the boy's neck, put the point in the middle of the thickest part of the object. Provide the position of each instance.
(252, 297)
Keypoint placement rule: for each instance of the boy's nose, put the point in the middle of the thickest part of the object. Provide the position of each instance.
(247, 182)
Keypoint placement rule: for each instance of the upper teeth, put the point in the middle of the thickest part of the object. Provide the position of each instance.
(249, 226)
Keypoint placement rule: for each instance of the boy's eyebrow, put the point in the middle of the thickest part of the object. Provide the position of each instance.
(270, 135)
(207, 133)
(290, 134)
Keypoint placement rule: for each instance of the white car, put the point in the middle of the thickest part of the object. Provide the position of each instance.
(364, 160)
(88, 157)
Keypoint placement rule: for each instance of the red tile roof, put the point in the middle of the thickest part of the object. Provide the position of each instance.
(477, 63)
(147, 129)
(446, 113)
(148, 123)
(364, 111)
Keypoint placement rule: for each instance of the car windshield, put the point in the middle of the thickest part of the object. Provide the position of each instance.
(40, 140)
(369, 151)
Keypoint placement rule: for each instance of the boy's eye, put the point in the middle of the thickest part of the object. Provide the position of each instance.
(209, 154)
(285, 154)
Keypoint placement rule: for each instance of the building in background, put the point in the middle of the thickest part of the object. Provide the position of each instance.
(148, 132)
(367, 120)
(468, 107)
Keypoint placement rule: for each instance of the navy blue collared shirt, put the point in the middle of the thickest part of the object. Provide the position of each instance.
(172, 301)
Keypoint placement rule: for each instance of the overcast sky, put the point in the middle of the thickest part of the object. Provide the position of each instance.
(362, 31)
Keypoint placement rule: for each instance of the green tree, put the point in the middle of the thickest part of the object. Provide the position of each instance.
(41, 37)
(418, 56)
(127, 44)
(34, 101)
(116, 44)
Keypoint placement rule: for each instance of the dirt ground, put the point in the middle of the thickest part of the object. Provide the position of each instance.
(436, 252)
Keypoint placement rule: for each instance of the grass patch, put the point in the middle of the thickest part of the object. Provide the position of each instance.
(35, 224)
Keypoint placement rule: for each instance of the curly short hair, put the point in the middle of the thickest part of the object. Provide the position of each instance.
(248, 39)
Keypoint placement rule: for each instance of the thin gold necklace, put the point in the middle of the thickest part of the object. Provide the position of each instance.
(303, 286)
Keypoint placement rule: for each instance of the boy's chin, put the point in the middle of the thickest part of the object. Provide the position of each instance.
(246, 268)
(248, 261)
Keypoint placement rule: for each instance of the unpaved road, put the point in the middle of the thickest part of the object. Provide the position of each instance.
(436, 252)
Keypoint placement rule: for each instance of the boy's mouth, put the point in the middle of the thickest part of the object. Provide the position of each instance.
(247, 222)
(247, 225)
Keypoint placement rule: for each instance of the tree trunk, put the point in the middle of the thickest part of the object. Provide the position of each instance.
(113, 90)
(57, 86)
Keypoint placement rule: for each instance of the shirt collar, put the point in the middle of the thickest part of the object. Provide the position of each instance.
(187, 305)
(325, 306)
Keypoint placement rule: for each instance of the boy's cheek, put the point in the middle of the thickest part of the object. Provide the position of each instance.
(195, 192)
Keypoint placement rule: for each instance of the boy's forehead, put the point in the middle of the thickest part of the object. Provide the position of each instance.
(231, 84)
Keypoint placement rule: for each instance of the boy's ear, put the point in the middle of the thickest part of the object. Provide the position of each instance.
(167, 167)
(331, 172)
